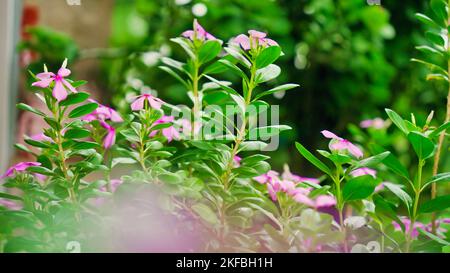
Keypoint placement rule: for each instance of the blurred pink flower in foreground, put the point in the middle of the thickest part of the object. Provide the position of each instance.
(11, 205)
(139, 102)
(19, 168)
(340, 144)
(376, 123)
(198, 33)
(110, 137)
(254, 40)
(59, 90)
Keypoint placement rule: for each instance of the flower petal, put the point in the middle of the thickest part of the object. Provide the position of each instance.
(59, 92)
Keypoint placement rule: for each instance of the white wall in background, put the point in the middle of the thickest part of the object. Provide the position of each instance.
(9, 30)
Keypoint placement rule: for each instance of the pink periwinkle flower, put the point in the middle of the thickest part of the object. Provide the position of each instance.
(408, 226)
(320, 202)
(254, 40)
(340, 144)
(199, 33)
(59, 90)
(364, 171)
(110, 137)
(41, 137)
(376, 123)
(20, 168)
(170, 132)
(139, 102)
(299, 179)
(103, 113)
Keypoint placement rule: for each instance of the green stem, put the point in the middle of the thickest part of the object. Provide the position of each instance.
(241, 134)
(417, 191)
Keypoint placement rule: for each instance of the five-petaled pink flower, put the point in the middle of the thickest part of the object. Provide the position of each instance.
(254, 40)
(59, 90)
(170, 132)
(103, 113)
(340, 144)
(110, 137)
(199, 33)
(20, 168)
(153, 101)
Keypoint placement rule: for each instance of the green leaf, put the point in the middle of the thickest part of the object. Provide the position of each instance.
(10, 196)
(372, 161)
(440, 178)
(439, 8)
(184, 43)
(25, 107)
(174, 74)
(276, 89)
(77, 84)
(77, 133)
(396, 166)
(264, 133)
(359, 188)
(422, 145)
(209, 50)
(439, 130)
(83, 110)
(429, 50)
(400, 193)
(234, 68)
(397, 120)
(268, 56)
(435, 38)
(223, 86)
(40, 170)
(35, 143)
(254, 159)
(252, 146)
(85, 145)
(205, 213)
(312, 159)
(431, 66)
(383, 207)
(170, 178)
(173, 63)
(433, 237)
(267, 73)
(74, 98)
(437, 204)
(426, 20)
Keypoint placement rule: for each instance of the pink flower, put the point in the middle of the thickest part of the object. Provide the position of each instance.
(299, 179)
(320, 202)
(114, 183)
(110, 137)
(364, 171)
(41, 137)
(379, 187)
(170, 132)
(341, 144)
(254, 40)
(199, 33)
(237, 161)
(103, 113)
(376, 123)
(267, 177)
(154, 102)
(19, 168)
(10, 204)
(59, 90)
(408, 227)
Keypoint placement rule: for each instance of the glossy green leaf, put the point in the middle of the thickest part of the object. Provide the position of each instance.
(76, 133)
(283, 87)
(268, 56)
(83, 110)
(437, 204)
(397, 120)
(74, 98)
(205, 213)
(209, 50)
(312, 159)
(358, 188)
(422, 145)
(26, 107)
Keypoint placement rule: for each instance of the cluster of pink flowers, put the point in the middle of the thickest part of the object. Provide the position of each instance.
(340, 144)
(418, 225)
(253, 40)
(289, 184)
(199, 33)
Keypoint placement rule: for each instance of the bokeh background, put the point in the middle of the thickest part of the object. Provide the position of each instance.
(351, 59)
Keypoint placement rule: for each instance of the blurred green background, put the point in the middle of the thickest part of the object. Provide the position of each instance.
(351, 59)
